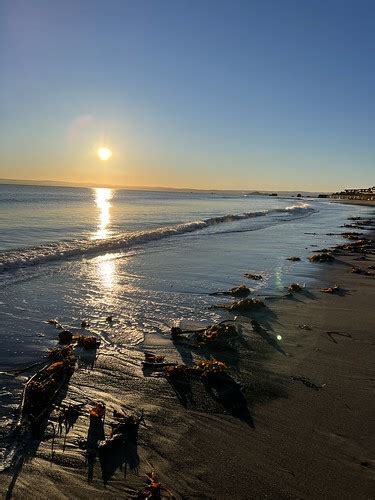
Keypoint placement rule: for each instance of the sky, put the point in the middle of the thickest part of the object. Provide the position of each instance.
(253, 94)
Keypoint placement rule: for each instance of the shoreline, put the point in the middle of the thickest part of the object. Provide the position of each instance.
(365, 203)
(299, 441)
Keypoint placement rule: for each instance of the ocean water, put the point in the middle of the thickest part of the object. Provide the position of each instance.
(149, 258)
(146, 257)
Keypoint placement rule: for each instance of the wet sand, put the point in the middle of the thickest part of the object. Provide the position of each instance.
(277, 435)
(365, 203)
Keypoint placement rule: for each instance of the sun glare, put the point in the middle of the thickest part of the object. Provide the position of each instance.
(104, 153)
(103, 203)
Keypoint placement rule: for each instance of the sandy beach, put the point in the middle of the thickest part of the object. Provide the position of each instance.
(295, 422)
(187, 250)
(365, 203)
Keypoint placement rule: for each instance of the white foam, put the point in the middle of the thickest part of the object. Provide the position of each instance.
(24, 257)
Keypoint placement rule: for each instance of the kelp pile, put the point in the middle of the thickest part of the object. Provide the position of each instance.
(152, 490)
(87, 342)
(358, 270)
(42, 388)
(360, 222)
(295, 287)
(62, 353)
(66, 337)
(255, 277)
(202, 368)
(176, 370)
(364, 245)
(208, 367)
(243, 305)
(154, 358)
(352, 235)
(123, 431)
(331, 289)
(322, 257)
(238, 291)
(222, 332)
(97, 411)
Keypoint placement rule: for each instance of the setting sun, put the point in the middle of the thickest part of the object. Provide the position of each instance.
(104, 153)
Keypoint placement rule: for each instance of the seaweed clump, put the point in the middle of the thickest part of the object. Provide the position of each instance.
(86, 342)
(221, 332)
(207, 367)
(202, 368)
(365, 245)
(255, 277)
(295, 287)
(153, 488)
(238, 291)
(243, 305)
(331, 289)
(322, 257)
(358, 270)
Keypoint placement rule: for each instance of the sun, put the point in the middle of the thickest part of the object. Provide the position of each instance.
(104, 153)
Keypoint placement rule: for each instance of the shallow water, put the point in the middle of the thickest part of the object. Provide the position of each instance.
(147, 258)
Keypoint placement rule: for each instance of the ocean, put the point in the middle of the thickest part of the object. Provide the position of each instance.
(147, 258)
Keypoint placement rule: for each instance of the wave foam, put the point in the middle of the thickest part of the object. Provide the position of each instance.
(24, 257)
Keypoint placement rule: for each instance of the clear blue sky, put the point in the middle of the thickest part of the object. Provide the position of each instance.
(271, 94)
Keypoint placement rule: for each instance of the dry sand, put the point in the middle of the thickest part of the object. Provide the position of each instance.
(297, 441)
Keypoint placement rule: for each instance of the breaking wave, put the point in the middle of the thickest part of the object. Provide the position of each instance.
(30, 256)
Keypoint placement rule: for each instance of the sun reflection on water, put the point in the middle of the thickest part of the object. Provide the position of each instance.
(107, 272)
(102, 201)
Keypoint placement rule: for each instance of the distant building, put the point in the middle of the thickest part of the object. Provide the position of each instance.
(367, 194)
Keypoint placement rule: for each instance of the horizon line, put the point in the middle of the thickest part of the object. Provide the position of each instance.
(51, 183)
